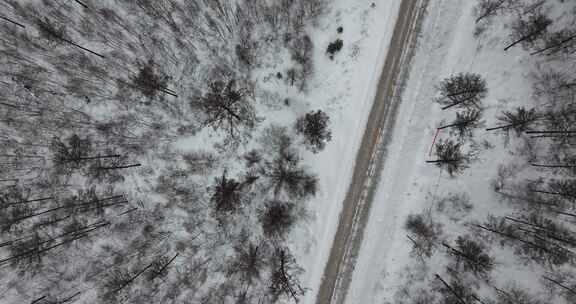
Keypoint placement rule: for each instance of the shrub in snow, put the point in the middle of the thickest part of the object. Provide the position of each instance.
(334, 47)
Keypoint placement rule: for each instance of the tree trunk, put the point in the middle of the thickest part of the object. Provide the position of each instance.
(553, 46)
(516, 238)
(459, 102)
(68, 299)
(164, 267)
(551, 132)
(553, 193)
(454, 125)
(82, 4)
(572, 291)
(553, 166)
(524, 38)
(38, 252)
(29, 201)
(491, 10)
(132, 278)
(13, 22)
(461, 254)
(540, 237)
(443, 161)
(80, 47)
(506, 126)
(92, 158)
(119, 167)
(38, 300)
(459, 297)
(59, 208)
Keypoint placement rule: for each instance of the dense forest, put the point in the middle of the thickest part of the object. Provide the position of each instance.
(137, 162)
(520, 249)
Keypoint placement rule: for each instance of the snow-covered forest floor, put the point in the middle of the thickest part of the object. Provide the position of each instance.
(179, 151)
(487, 214)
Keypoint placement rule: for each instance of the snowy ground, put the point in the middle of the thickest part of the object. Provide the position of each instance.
(408, 184)
(348, 86)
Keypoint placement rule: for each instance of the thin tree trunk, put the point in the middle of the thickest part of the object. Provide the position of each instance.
(92, 157)
(13, 22)
(81, 4)
(490, 11)
(133, 278)
(524, 38)
(553, 193)
(168, 92)
(104, 206)
(461, 254)
(164, 267)
(459, 102)
(553, 166)
(68, 299)
(516, 238)
(119, 167)
(81, 47)
(38, 300)
(128, 211)
(539, 236)
(553, 46)
(443, 161)
(507, 294)
(462, 92)
(572, 291)
(29, 201)
(506, 126)
(564, 213)
(459, 297)
(38, 252)
(551, 132)
(59, 208)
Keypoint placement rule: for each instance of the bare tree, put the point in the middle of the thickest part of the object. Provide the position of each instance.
(228, 107)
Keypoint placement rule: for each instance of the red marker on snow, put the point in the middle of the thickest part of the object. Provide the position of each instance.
(433, 142)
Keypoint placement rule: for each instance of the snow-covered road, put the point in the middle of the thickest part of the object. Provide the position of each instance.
(356, 207)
